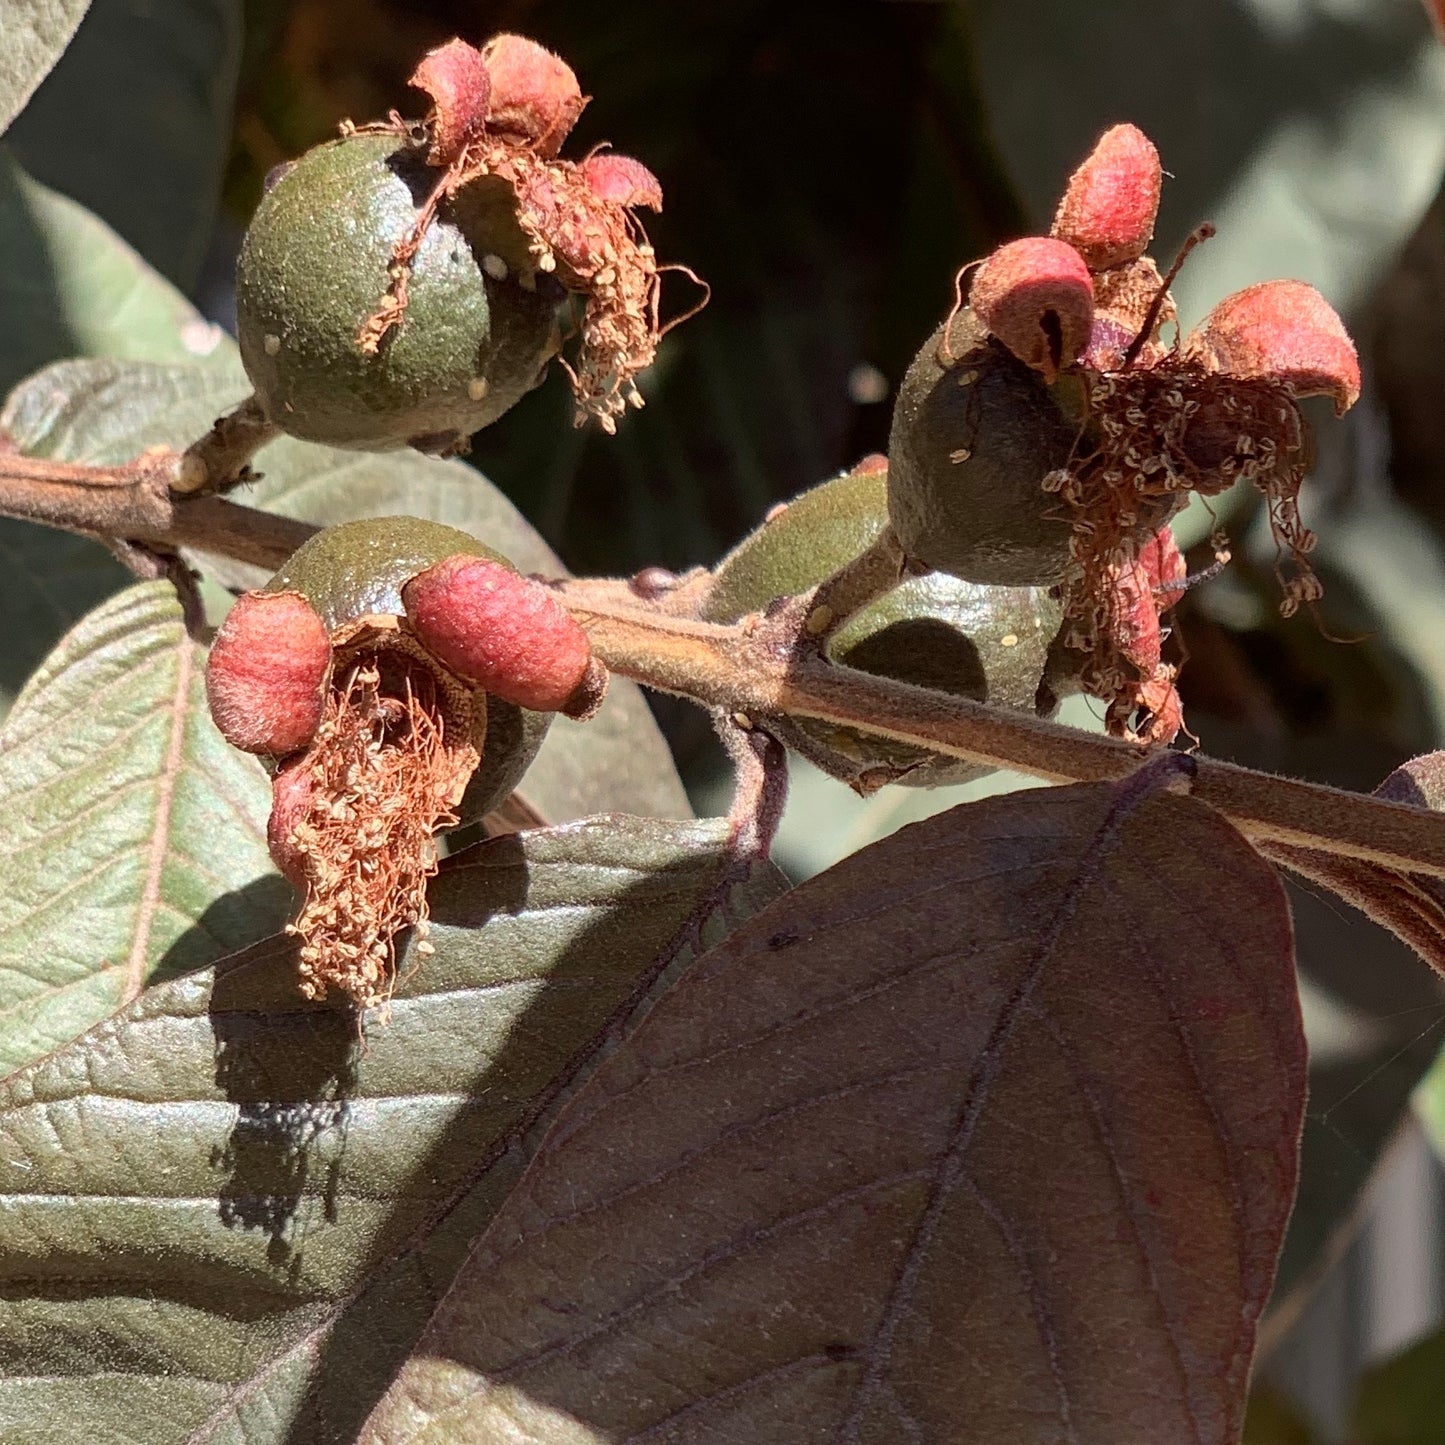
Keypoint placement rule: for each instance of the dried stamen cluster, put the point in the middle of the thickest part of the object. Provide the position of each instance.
(498, 119)
(363, 803)
(1164, 421)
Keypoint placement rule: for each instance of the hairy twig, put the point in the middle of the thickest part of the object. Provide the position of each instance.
(763, 666)
(753, 668)
(872, 574)
(762, 784)
(134, 502)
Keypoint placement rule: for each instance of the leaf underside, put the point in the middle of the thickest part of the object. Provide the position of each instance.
(132, 837)
(988, 1134)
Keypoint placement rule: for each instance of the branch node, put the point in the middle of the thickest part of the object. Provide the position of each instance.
(219, 460)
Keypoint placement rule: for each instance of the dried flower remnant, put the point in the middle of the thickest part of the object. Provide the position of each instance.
(391, 737)
(1163, 421)
(388, 766)
(499, 117)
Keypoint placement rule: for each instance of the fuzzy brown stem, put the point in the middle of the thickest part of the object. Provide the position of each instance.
(1394, 900)
(870, 575)
(751, 668)
(755, 667)
(134, 502)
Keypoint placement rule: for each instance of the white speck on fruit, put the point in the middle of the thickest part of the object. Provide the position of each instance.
(1009, 639)
(477, 388)
(961, 455)
(495, 267)
(272, 344)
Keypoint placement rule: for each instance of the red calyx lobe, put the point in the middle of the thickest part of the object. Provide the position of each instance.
(1037, 297)
(267, 672)
(1282, 331)
(621, 180)
(460, 86)
(1108, 211)
(534, 94)
(292, 790)
(500, 631)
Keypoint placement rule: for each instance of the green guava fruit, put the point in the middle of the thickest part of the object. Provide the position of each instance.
(987, 643)
(314, 266)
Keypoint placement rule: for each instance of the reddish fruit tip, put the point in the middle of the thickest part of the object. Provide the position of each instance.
(1037, 297)
(534, 94)
(1282, 331)
(1108, 211)
(500, 631)
(621, 180)
(871, 465)
(291, 792)
(267, 671)
(455, 77)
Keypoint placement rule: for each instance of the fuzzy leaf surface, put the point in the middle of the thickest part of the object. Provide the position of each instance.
(105, 411)
(69, 286)
(136, 120)
(132, 837)
(36, 34)
(987, 1134)
(227, 1221)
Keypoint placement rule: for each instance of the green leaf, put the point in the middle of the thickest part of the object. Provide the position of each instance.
(987, 1134)
(105, 412)
(48, 582)
(135, 123)
(36, 32)
(1402, 1402)
(133, 838)
(260, 1213)
(69, 286)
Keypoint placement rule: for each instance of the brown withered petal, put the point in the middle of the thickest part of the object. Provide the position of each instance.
(1282, 331)
(1037, 297)
(535, 95)
(621, 180)
(456, 78)
(1108, 211)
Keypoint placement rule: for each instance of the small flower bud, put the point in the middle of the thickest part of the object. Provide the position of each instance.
(1108, 211)
(501, 632)
(267, 672)
(1281, 331)
(534, 94)
(621, 180)
(456, 78)
(1037, 297)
